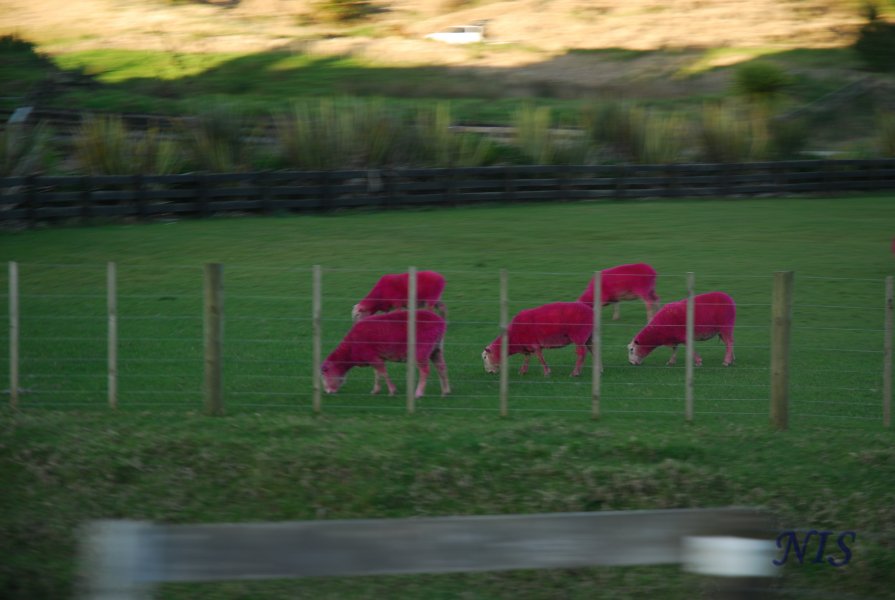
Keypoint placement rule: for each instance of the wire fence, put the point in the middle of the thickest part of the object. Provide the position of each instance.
(78, 339)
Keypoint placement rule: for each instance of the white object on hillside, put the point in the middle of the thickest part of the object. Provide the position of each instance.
(459, 34)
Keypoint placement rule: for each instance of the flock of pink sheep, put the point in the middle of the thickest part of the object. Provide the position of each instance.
(379, 333)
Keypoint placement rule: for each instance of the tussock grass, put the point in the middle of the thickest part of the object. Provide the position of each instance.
(104, 146)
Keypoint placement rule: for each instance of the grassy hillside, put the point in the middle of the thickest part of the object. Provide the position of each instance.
(65, 457)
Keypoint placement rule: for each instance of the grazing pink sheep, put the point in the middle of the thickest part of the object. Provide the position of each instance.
(391, 292)
(625, 282)
(374, 340)
(714, 313)
(552, 325)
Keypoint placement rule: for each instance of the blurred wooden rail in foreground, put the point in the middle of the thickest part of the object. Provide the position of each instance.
(124, 559)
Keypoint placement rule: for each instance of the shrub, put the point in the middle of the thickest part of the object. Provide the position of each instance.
(313, 136)
(104, 146)
(760, 80)
(876, 41)
(886, 134)
(539, 143)
(439, 146)
(619, 126)
(788, 139)
(214, 139)
(15, 44)
(731, 134)
(341, 11)
(637, 134)
(665, 139)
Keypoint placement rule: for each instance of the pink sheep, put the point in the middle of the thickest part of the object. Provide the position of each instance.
(552, 325)
(391, 292)
(625, 282)
(714, 313)
(374, 340)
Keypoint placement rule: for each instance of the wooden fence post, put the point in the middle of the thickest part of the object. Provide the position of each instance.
(214, 336)
(504, 344)
(316, 324)
(691, 348)
(596, 345)
(411, 340)
(13, 335)
(781, 325)
(887, 356)
(112, 302)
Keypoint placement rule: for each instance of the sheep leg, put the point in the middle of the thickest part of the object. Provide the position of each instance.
(379, 370)
(673, 359)
(727, 338)
(524, 368)
(441, 368)
(540, 355)
(581, 351)
(423, 369)
(616, 311)
(376, 386)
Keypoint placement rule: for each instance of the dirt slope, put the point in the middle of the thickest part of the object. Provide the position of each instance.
(530, 39)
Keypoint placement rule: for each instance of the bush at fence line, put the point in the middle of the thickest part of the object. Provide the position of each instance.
(731, 133)
(104, 146)
(632, 132)
(761, 81)
(26, 150)
(442, 147)
(875, 43)
(314, 136)
(788, 138)
(539, 142)
(886, 135)
(214, 139)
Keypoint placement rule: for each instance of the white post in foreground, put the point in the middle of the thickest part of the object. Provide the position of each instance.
(596, 345)
(691, 348)
(112, 302)
(116, 559)
(411, 340)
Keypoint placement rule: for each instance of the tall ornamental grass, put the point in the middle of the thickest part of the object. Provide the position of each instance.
(363, 134)
(730, 133)
(314, 136)
(540, 143)
(886, 134)
(105, 146)
(215, 140)
(442, 147)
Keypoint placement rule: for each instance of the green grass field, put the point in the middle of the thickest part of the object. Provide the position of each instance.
(66, 457)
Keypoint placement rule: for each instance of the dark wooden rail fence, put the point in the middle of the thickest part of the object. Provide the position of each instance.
(38, 198)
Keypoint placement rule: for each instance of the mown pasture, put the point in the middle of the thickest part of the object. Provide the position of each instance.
(67, 457)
